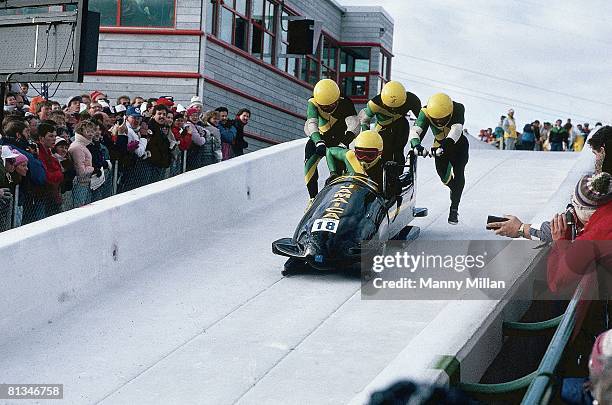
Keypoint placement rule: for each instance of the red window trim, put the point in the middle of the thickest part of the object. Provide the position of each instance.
(252, 58)
(148, 31)
(143, 73)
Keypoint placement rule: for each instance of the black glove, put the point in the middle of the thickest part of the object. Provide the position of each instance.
(419, 150)
(445, 145)
(321, 149)
(348, 137)
(97, 172)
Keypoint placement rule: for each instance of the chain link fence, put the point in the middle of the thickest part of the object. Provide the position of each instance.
(25, 206)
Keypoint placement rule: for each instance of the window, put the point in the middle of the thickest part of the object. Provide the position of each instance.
(264, 29)
(329, 59)
(355, 72)
(355, 60)
(135, 13)
(285, 62)
(24, 10)
(211, 16)
(234, 23)
(355, 86)
(384, 69)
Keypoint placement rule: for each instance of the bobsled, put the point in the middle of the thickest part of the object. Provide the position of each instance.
(347, 212)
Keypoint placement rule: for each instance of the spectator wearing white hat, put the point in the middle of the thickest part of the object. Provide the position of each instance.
(6, 167)
(510, 135)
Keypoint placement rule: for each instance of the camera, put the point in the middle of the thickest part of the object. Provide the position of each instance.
(570, 215)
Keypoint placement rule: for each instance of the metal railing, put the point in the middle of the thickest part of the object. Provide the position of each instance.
(32, 205)
(539, 382)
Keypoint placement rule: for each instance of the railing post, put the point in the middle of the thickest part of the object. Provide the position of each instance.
(115, 176)
(15, 205)
(184, 161)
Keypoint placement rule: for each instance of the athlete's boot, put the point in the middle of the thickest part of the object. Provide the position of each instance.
(453, 216)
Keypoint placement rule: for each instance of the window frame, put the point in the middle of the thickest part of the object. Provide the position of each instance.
(236, 14)
(118, 20)
(264, 30)
(343, 75)
(334, 44)
(282, 62)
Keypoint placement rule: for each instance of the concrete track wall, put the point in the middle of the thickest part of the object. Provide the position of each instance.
(48, 265)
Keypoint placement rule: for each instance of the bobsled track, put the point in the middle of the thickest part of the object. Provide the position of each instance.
(170, 294)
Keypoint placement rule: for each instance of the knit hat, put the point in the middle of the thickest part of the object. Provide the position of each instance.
(70, 99)
(59, 139)
(95, 94)
(8, 153)
(192, 110)
(20, 159)
(195, 100)
(165, 101)
(593, 190)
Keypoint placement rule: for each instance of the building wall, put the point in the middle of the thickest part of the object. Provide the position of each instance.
(150, 53)
(220, 73)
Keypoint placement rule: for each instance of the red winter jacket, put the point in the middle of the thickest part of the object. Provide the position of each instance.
(568, 261)
(184, 141)
(53, 169)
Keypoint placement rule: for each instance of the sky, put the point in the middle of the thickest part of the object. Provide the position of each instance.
(546, 59)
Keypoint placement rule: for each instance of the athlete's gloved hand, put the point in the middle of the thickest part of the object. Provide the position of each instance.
(419, 150)
(445, 145)
(349, 136)
(97, 172)
(321, 149)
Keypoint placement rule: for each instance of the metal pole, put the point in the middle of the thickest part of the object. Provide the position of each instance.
(115, 176)
(15, 205)
(2, 93)
(184, 161)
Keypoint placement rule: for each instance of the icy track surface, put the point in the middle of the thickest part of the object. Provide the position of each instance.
(220, 325)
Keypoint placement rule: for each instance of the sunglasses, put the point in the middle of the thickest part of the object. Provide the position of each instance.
(367, 155)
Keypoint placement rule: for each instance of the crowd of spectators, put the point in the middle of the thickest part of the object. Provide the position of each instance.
(537, 136)
(60, 156)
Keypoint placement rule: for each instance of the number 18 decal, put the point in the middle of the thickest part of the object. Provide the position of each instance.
(325, 225)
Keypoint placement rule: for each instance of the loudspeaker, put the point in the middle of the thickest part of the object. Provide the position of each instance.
(303, 36)
(90, 35)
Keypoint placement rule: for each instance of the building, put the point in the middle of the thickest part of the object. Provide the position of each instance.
(233, 53)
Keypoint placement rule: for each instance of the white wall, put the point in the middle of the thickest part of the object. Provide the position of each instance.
(46, 266)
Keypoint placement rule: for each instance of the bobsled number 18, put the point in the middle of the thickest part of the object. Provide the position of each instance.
(325, 225)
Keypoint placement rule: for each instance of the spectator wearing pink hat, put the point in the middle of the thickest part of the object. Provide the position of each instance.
(195, 155)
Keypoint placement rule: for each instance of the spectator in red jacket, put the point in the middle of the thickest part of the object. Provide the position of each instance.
(568, 262)
(48, 196)
(181, 133)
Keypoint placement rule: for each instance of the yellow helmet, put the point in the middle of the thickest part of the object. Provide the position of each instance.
(439, 106)
(368, 148)
(326, 92)
(393, 94)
